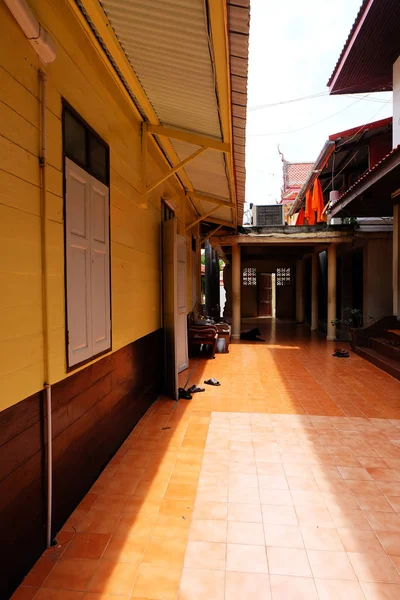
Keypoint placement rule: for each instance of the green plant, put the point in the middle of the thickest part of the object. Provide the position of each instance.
(350, 221)
(354, 319)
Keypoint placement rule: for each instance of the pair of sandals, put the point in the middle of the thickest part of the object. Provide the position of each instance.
(195, 389)
(339, 353)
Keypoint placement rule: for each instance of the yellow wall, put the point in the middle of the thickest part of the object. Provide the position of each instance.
(79, 76)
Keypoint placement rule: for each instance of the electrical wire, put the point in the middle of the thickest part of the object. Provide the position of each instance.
(310, 97)
(312, 124)
(346, 141)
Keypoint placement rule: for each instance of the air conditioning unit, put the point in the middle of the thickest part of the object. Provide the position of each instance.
(269, 215)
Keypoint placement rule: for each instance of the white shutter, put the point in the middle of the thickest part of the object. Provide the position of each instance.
(78, 263)
(87, 265)
(100, 270)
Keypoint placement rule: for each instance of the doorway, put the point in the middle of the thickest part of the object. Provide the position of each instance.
(266, 304)
(174, 305)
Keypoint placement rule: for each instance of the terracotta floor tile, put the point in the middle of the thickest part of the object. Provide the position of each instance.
(363, 487)
(313, 516)
(245, 533)
(279, 515)
(390, 540)
(355, 540)
(87, 545)
(330, 565)
(246, 558)
(101, 596)
(123, 548)
(283, 536)
(72, 574)
(113, 577)
(288, 561)
(246, 585)
(351, 519)
(24, 593)
(293, 588)
(39, 572)
(381, 591)
(321, 538)
(373, 502)
(383, 474)
(99, 521)
(208, 530)
(276, 497)
(165, 552)
(354, 473)
(202, 584)
(250, 513)
(205, 555)
(51, 594)
(156, 582)
(335, 589)
(381, 521)
(374, 566)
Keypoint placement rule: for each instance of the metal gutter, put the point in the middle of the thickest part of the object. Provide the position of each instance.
(323, 157)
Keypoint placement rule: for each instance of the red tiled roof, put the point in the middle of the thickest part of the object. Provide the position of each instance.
(368, 173)
(297, 173)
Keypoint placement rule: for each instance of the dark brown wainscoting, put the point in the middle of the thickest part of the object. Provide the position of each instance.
(93, 412)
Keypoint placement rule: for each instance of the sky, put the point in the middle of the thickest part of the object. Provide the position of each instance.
(294, 46)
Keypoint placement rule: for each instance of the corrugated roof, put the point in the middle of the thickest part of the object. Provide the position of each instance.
(349, 37)
(168, 46)
(373, 45)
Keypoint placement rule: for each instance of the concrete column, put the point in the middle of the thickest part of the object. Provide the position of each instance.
(396, 260)
(314, 291)
(331, 329)
(300, 291)
(236, 289)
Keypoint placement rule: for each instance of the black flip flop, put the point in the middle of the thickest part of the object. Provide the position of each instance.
(341, 354)
(194, 389)
(184, 394)
(212, 381)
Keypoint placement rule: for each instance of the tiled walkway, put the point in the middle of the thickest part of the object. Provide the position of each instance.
(283, 483)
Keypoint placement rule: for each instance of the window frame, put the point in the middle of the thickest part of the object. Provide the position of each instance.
(66, 107)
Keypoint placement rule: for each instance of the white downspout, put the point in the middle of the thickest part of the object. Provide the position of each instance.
(47, 386)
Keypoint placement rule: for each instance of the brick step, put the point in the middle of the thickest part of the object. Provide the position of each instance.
(390, 366)
(383, 347)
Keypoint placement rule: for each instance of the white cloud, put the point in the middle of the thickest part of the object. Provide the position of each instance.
(293, 49)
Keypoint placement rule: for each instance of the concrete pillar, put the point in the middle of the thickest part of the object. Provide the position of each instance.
(300, 291)
(396, 260)
(236, 289)
(331, 329)
(314, 291)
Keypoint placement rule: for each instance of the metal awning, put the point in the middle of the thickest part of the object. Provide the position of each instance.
(190, 59)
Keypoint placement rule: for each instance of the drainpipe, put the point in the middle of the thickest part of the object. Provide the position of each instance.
(45, 48)
(47, 386)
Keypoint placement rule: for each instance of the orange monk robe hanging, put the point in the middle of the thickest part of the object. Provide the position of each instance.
(318, 201)
(300, 217)
(309, 214)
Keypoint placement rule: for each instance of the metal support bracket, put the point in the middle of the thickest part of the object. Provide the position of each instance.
(176, 168)
(213, 232)
(202, 217)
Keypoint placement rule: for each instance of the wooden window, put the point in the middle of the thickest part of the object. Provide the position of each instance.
(249, 276)
(87, 245)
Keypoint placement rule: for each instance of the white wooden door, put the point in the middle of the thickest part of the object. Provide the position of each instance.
(181, 325)
(170, 286)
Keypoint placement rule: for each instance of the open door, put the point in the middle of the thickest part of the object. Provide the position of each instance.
(174, 302)
(181, 325)
(265, 305)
